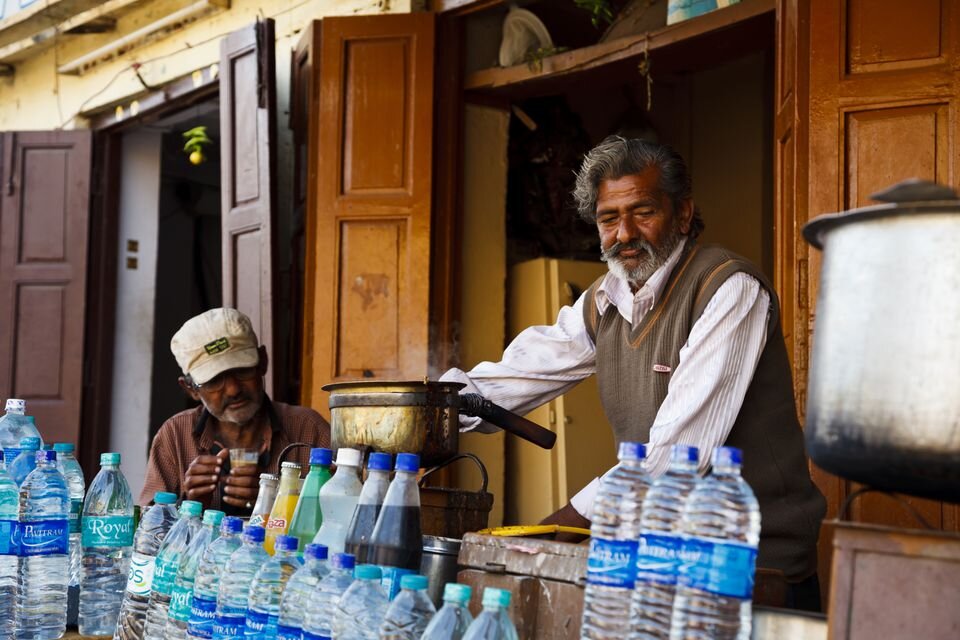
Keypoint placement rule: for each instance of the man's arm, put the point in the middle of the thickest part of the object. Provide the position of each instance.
(162, 473)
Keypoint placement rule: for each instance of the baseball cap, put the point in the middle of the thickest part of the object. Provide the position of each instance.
(213, 342)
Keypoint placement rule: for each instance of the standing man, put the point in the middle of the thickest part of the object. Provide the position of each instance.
(223, 368)
(686, 344)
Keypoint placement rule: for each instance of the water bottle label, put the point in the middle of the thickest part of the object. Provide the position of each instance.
(286, 632)
(260, 624)
(612, 563)
(657, 558)
(10, 454)
(277, 523)
(107, 531)
(76, 507)
(140, 577)
(256, 520)
(9, 538)
(180, 601)
(44, 537)
(390, 580)
(164, 573)
(721, 568)
(228, 626)
(203, 613)
(313, 636)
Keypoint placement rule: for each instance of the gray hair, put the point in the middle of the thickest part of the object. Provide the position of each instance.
(617, 157)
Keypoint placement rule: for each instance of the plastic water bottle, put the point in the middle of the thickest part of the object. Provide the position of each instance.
(494, 621)
(166, 567)
(659, 546)
(76, 487)
(300, 587)
(397, 544)
(453, 619)
(107, 542)
(283, 507)
(410, 612)
(307, 517)
(14, 426)
(338, 499)
(154, 526)
(721, 528)
(26, 460)
(44, 545)
(612, 565)
(362, 606)
(266, 496)
(181, 599)
(368, 508)
(234, 592)
(9, 510)
(203, 606)
(318, 621)
(263, 607)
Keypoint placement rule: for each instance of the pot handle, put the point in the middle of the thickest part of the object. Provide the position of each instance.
(845, 507)
(459, 456)
(473, 404)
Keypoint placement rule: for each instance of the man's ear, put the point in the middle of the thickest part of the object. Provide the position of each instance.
(685, 215)
(264, 361)
(190, 391)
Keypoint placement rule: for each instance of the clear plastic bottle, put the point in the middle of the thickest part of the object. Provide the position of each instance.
(166, 567)
(154, 525)
(26, 460)
(266, 496)
(659, 545)
(284, 505)
(360, 531)
(181, 598)
(14, 425)
(263, 607)
(410, 612)
(612, 565)
(338, 499)
(76, 487)
(720, 525)
(234, 593)
(307, 517)
(494, 621)
(203, 605)
(453, 619)
(318, 621)
(9, 510)
(107, 543)
(397, 542)
(362, 606)
(44, 548)
(300, 587)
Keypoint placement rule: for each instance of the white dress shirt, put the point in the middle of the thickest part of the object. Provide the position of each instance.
(705, 391)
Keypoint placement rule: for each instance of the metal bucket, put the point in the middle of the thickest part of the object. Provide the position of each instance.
(451, 513)
(439, 564)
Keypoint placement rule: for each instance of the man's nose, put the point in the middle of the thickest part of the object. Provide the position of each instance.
(627, 230)
(231, 386)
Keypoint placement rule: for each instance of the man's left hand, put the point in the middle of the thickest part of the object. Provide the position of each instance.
(241, 486)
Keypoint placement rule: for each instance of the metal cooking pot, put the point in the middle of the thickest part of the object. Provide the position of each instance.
(883, 404)
(416, 417)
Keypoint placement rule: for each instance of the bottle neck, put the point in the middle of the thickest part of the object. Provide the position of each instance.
(632, 463)
(726, 470)
(289, 481)
(683, 467)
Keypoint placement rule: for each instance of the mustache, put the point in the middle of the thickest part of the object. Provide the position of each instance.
(613, 251)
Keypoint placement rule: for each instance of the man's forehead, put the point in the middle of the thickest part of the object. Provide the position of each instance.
(638, 185)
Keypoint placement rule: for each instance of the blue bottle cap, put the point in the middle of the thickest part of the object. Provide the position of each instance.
(321, 456)
(254, 533)
(191, 508)
(164, 497)
(368, 572)
(684, 453)
(108, 458)
(631, 451)
(287, 543)
(213, 517)
(408, 462)
(46, 456)
(456, 592)
(30, 443)
(230, 525)
(379, 461)
(316, 551)
(496, 598)
(64, 447)
(727, 457)
(343, 561)
(1, 455)
(414, 582)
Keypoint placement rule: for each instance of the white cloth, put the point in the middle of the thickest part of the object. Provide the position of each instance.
(705, 391)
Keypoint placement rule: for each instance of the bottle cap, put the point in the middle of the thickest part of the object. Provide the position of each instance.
(408, 462)
(46, 456)
(107, 458)
(1, 455)
(631, 451)
(47, 447)
(368, 572)
(191, 508)
(379, 461)
(64, 447)
(31, 443)
(15, 405)
(414, 582)
(231, 525)
(164, 497)
(456, 592)
(213, 517)
(727, 457)
(348, 457)
(290, 465)
(286, 543)
(321, 456)
(684, 453)
(496, 598)
(254, 533)
(269, 477)
(316, 551)
(343, 561)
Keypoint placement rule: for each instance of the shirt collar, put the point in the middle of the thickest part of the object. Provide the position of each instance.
(616, 291)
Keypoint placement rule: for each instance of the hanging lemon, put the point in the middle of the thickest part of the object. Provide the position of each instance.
(196, 139)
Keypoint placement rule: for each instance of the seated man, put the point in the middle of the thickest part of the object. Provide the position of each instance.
(223, 368)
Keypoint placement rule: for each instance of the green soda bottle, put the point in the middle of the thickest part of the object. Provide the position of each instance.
(307, 517)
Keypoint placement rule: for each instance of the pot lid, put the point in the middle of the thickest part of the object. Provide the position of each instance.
(392, 386)
(910, 196)
(442, 546)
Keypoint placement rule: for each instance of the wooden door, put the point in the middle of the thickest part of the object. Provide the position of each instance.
(44, 226)
(369, 248)
(248, 104)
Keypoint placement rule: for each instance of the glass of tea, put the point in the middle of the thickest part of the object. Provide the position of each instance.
(243, 457)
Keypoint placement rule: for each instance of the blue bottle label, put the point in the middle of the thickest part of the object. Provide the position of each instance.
(260, 625)
(44, 537)
(107, 531)
(164, 573)
(718, 567)
(612, 563)
(76, 508)
(203, 614)
(390, 580)
(10, 454)
(657, 558)
(9, 538)
(286, 632)
(313, 636)
(228, 626)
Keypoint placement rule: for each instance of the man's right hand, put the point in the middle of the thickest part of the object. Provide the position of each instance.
(202, 476)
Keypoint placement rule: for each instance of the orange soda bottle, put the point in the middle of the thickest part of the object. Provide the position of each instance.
(283, 507)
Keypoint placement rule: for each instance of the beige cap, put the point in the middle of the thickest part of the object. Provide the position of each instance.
(213, 342)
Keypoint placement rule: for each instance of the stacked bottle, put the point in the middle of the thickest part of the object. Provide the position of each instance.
(181, 598)
(453, 619)
(397, 542)
(300, 588)
(494, 621)
(263, 606)
(76, 487)
(410, 612)
(15, 425)
(233, 595)
(307, 517)
(318, 621)
(362, 606)
(26, 460)
(203, 605)
(369, 504)
(9, 547)
(284, 505)
(266, 496)
(338, 499)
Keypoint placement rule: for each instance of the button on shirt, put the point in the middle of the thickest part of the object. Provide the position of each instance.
(705, 391)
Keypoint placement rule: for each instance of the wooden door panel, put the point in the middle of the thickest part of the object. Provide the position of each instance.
(887, 35)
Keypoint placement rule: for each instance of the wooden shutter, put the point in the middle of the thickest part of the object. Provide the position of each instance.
(248, 184)
(369, 254)
(44, 222)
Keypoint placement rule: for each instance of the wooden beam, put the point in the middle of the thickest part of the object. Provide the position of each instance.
(463, 7)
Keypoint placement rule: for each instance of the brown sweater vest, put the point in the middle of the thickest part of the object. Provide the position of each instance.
(766, 429)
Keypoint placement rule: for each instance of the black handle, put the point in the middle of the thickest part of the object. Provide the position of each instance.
(472, 404)
(459, 456)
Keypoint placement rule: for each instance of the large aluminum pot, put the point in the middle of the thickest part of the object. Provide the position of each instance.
(883, 405)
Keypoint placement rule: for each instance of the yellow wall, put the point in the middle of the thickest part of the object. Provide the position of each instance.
(37, 97)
